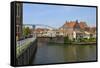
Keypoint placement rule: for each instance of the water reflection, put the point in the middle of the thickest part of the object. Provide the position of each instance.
(57, 53)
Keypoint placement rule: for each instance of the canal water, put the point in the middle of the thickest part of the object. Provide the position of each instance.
(59, 53)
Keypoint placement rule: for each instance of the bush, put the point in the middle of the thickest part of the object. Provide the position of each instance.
(92, 39)
(67, 40)
(87, 40)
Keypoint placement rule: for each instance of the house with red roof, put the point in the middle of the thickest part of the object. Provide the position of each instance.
(75, 29)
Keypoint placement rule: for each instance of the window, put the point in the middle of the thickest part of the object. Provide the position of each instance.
(18, 9)
(18, 28)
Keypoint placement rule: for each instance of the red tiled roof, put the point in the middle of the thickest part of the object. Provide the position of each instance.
(40, 29)
(83, 25)
(70, 24)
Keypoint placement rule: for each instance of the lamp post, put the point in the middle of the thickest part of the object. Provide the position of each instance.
(33, 27)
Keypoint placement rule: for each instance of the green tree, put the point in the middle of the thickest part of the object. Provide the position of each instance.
(66, 40)
(26, 31)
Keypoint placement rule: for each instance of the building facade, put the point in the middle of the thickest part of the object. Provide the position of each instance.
(19, 20)
(72, 29)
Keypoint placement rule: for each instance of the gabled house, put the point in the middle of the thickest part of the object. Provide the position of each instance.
(60, 32)
(44, 32)
(72, 30)
(72, 25)
(93, 32)
(83, 25)
(39, 32)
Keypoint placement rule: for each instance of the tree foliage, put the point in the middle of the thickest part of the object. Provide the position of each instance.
(67, 40)
(26, 31)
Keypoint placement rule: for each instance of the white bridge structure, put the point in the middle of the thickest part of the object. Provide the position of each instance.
(34, 25)
(50, 33)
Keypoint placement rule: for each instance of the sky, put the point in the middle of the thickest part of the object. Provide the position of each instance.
(56, 16)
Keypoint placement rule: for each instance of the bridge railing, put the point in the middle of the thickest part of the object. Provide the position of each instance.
(22, 45)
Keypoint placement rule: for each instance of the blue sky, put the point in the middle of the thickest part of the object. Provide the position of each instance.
(55, 15)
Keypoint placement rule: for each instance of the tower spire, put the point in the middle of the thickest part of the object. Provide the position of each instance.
(76, 21)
